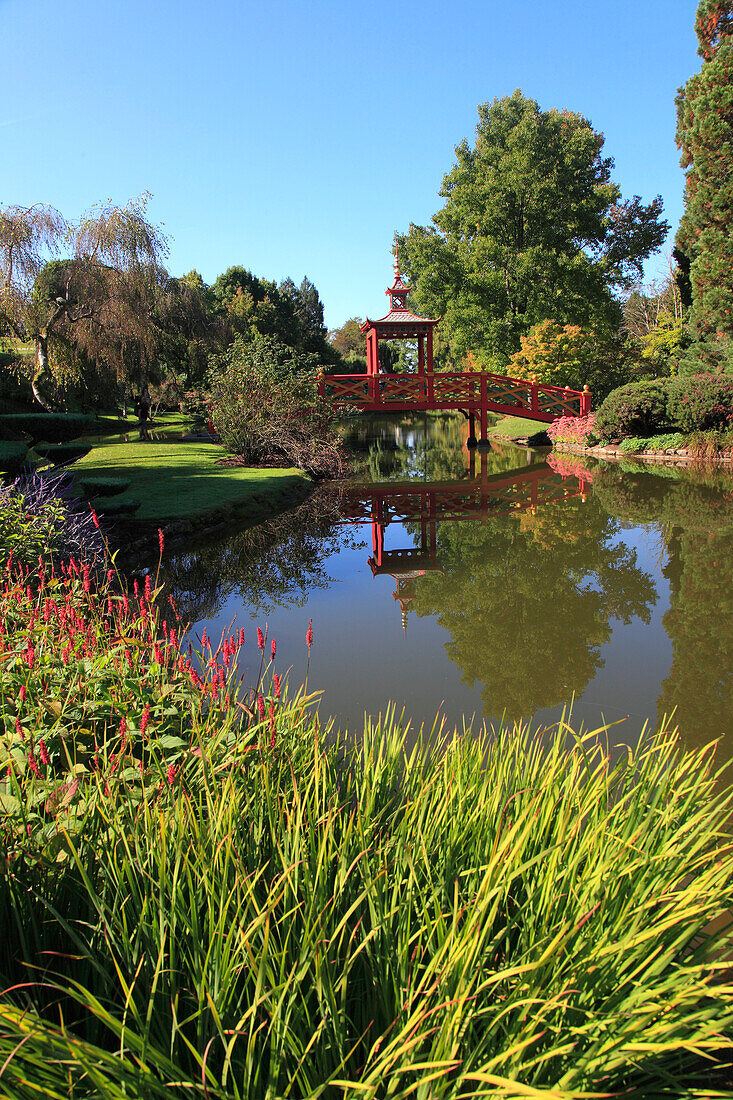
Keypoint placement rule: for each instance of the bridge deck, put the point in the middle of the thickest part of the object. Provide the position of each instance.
(472, 392)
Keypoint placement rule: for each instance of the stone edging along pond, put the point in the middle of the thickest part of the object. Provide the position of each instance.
(680, 456)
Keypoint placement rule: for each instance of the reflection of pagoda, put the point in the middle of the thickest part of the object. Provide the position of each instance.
(429, 504)
(404, 566)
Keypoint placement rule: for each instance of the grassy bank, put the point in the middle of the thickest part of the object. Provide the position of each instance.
(204, 894)
(183, 480)
(520, 428)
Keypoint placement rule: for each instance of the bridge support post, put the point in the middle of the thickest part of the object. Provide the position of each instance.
(483, 412)
(471, 440)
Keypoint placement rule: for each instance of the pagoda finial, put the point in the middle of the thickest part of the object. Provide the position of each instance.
(396, 259)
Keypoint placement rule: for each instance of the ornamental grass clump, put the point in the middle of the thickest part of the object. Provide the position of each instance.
(205, 893)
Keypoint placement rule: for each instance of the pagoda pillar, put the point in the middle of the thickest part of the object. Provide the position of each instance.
(420, 355)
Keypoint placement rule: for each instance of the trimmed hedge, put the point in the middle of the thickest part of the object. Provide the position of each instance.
(102, 486)
(53, 427)
(61, 453)
(13, 456)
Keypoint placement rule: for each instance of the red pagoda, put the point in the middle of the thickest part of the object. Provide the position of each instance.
(399, 324)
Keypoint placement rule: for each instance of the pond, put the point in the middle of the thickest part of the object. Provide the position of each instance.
(507, 583)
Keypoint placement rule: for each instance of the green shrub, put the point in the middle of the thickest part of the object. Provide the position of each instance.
(632, 446)
(54, 427)
(671, 441)
(37, 517)
(265, 405)
(109, 507)
(61, 453)
(101, 486)
(13, 456)
(701, 402)
(639, 408)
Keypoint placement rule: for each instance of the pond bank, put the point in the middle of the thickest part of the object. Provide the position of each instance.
(680, 455)
(183, 488)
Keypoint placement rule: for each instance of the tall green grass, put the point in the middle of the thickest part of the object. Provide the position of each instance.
(508, 915)
(204, 893)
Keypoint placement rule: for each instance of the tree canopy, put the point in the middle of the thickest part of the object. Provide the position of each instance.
(97, 302)
(533, 228)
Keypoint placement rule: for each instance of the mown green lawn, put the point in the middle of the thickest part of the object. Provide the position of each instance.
(517, 427)
(181, 480)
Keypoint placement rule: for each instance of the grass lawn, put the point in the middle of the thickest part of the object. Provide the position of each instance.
(518, 427)
(180, 480)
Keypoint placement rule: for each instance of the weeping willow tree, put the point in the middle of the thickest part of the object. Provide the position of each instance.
(82, 292)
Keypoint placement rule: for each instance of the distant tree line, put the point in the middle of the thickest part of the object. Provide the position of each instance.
(89, 315)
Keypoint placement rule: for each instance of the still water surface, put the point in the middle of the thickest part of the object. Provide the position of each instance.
(480, 586)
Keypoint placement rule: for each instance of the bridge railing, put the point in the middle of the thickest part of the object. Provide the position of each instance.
(469, 390)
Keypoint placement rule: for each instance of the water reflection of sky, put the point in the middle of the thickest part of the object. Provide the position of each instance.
(577, 596)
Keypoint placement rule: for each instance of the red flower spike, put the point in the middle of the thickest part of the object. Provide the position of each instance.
(19, 729)
(33, 764)
(161, 539)
(171, 774)
(273, 649)
(43, 752)
(23, 692)
(260, 639)
(95, 521)
(144, 719)
(261, 707)
(276, 686)
(309, 634)
(148, 587)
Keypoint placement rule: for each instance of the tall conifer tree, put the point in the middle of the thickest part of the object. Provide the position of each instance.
(705, 135)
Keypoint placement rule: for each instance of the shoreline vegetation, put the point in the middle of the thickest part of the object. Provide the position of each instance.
(208, 891)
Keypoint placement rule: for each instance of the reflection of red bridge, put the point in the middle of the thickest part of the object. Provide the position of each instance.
(432, 503)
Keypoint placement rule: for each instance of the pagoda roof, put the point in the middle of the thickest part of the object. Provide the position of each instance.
(398, 317)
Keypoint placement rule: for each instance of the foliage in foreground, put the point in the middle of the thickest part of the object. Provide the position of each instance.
(38, 515)
(203, 895)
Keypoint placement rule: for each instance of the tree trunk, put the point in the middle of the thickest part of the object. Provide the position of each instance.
(41, 371)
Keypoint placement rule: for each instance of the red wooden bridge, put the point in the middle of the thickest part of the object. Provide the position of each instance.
(474, 393)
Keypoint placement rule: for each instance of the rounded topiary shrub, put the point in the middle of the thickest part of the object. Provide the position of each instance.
(639, 408)
(700, 402)
(102, 486)
(61, 453)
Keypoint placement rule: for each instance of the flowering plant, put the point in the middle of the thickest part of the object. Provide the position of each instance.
(572, 429)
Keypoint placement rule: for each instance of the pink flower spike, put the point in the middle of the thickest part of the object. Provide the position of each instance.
(171, 774)
(19, 729)
(148, 587)
(43, 751)
(95, 521)
(309, 634)
(23, 691)
(273, 649)
(260, 639)
(33, 764)
(261, 707)
(276, 686)
(161, 539)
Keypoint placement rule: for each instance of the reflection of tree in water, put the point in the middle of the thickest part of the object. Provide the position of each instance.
(695, 512)
(272, 564)
(527, 601)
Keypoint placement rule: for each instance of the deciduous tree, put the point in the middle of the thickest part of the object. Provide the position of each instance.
(533, 227)
(95, 303)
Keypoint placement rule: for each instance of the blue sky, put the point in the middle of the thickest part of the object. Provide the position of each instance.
(295, 138)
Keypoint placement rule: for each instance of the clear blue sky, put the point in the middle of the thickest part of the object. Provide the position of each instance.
(295, 138)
